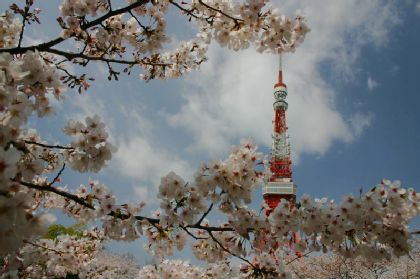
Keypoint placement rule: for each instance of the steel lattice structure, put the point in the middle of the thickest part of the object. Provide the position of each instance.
(280, 185)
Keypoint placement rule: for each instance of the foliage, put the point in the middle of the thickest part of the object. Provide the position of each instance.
(55, 230)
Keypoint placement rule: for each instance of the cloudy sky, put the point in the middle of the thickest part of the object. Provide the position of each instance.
(353, 104)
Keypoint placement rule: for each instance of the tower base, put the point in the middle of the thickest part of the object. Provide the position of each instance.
(280, 186)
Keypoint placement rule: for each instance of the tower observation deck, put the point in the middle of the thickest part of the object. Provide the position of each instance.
(280, 185)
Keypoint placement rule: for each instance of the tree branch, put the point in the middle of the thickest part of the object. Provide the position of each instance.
(49, 146)
(43, 247)
(24, 15)
(189, 12)
(228, 251)
(298, 257)
(114, 214)
(191, 234)
(145, 28)
(62, 193)
(211, 229)
(204, 215)
(47, 45)
(73, 55)
(236, 20)
(57, 176)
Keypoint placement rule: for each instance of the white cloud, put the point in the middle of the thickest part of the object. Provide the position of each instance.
(360, 121)
(141, 159)
(85, 105)
(371, 83)
(142, 193)
(418, 8)
(231, 96)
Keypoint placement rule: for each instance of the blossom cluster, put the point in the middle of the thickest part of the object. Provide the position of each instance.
(24, 85)
(98, 202)
(18, 223)
(320, 266)
(232, 24)
(267, 265)
(108, 266)
(27, 83)
(252, 21)
(10, 27)
(231, 182)
(375, 224)
(52, 258)
(210, 251)
(90, 147)
(178, 269)
(162, 241)
(181, 202)
(78, 8)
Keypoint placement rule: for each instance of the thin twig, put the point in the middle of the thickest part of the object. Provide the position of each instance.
(57, 191)
(236, 20)
(191, 234)
(211, 229)
(57, 176)
(205, 214)
(21, 33)
(25, 14)
(139, 23)
(43, 247)
(113, 214)
(189, 12)
(49, 146)
(73, 55)
(298, 257)
(122, 216)
(228, 251)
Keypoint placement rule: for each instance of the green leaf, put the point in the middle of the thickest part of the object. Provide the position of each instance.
(55, 230)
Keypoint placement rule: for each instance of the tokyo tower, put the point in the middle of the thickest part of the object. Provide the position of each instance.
(280, 185)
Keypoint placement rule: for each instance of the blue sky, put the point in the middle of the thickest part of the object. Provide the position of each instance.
(353, 104)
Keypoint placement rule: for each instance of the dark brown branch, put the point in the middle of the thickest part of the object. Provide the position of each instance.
(122, 216)
(24, 15)
(191, 234)
(140, 218)
(211, 229)
(236, 20)
(72, 55)
(47, 45)
(298, 257)
(188, 12)
(83, 202)
(145, 28)
(43, 247)
(57, 176)
(205, 215)
(49, 146)
(62, 193)
(228, 251)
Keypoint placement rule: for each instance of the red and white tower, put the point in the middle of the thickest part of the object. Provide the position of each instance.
(280, 185)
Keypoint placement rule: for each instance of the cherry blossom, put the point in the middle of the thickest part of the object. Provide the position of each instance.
(373, 225)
